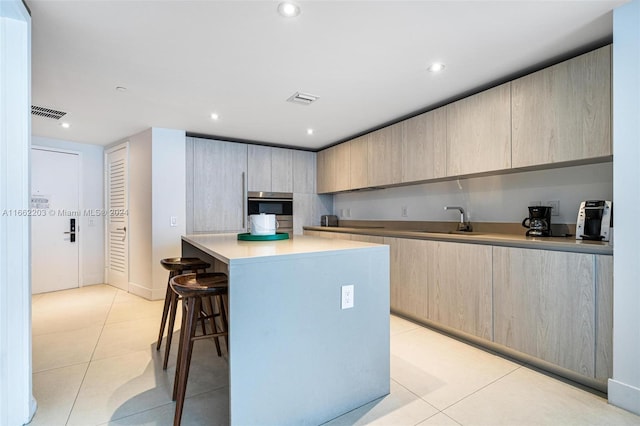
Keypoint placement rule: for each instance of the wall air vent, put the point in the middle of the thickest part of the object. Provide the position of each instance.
(302, 98)
(47, 112)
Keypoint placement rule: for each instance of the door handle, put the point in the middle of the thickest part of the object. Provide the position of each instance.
(72, 230)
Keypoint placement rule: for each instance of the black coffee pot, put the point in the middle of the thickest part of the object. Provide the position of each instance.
(538, 222)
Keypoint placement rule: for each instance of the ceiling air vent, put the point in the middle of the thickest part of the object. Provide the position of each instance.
(302, 98)
(47, 112)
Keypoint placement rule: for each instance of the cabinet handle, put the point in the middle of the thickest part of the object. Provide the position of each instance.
(244, 202)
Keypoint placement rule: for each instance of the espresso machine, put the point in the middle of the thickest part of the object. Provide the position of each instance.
(538, 222)
(594, 220)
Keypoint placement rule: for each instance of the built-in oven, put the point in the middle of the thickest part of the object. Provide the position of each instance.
(278, 203)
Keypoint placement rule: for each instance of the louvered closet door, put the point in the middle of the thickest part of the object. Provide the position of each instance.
(117, 214)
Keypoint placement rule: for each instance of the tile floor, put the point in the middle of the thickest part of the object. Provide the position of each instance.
(95, 363)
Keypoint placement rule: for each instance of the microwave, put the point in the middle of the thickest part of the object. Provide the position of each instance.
(278, 203)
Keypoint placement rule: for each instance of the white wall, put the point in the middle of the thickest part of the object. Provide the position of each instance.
(16, 401)
(92, 186)
(168, 199)
(501, 198)
(157, 191)
(140, 228)
(624, 387)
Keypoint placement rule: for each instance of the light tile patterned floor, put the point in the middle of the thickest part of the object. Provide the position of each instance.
(95, 363)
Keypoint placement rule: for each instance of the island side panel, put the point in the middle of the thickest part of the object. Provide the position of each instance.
(296, 356)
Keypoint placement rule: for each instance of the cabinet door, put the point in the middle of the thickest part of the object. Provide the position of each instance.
(304, 172)
(479, 132)
(544, 305)
(563, 113)
(424, 143)
(408, 293)
(326, 170)
(385, 156)
(281, 170)
(219, 196)
(460, 287)
(259, 168)
(604, 315)
(359, 158)
(342, 155)
(367, 238)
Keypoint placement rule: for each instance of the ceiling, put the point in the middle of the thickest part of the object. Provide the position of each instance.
(180, 61)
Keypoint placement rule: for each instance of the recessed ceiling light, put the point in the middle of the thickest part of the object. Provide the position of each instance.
(214, 116)
(436, 67)
(309, 131)
(65, 125)
(288, 9)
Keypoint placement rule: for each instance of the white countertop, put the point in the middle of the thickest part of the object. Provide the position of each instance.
(228, 249)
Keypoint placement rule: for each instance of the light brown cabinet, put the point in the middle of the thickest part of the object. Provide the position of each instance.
(408, 281)
(479, 132)
(304, 172)
(459, 284)
(270, 169)
(334, 169)
(385, 156)
(359, 162)
(544, 305)
(563, 113)
(448, 283)
(216, 174)
(604, 317)
(424, 146)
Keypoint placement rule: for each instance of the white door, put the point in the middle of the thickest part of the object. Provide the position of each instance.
(117, 213)
(55, 183)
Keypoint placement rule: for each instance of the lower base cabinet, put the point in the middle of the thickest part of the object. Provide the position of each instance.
(448, 283)
(555, 306)
(552, 305)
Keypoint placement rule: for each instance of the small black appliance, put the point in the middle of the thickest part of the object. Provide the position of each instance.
(538, 222)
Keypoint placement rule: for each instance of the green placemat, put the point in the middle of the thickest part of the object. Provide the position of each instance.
(278, 236)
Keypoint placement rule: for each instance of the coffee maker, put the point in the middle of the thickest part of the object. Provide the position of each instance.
(594, 220)
(538, 222)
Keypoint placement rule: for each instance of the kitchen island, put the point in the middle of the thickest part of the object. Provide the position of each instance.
(297, 357)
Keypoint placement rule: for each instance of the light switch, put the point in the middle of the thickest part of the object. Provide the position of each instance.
(174, 221)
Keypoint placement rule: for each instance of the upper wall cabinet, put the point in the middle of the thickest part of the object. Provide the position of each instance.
(270, 169)
(304, 172)
(359, 162)
(563, 113)
(334, 169)
(424, 146)
(385, 156)
(479, 132)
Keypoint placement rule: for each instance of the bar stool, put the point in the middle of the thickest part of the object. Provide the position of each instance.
(176, 266)
(196, 290)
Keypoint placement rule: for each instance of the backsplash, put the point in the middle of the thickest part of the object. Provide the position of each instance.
(499, 198)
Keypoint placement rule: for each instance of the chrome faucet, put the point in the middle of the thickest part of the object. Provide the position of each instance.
(463, 225)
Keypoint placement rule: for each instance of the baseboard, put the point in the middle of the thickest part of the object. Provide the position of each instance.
(147, 293)
(624, 396)
(140, 290)
(91, 279)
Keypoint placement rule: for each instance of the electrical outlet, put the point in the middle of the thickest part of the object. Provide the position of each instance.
(555, 207)
(347, 296)
(404, 211)
(341, 212)
(348, 213)
(174, 221)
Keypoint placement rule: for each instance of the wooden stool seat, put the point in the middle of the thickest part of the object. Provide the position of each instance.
(197, 291)
(176, 266)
